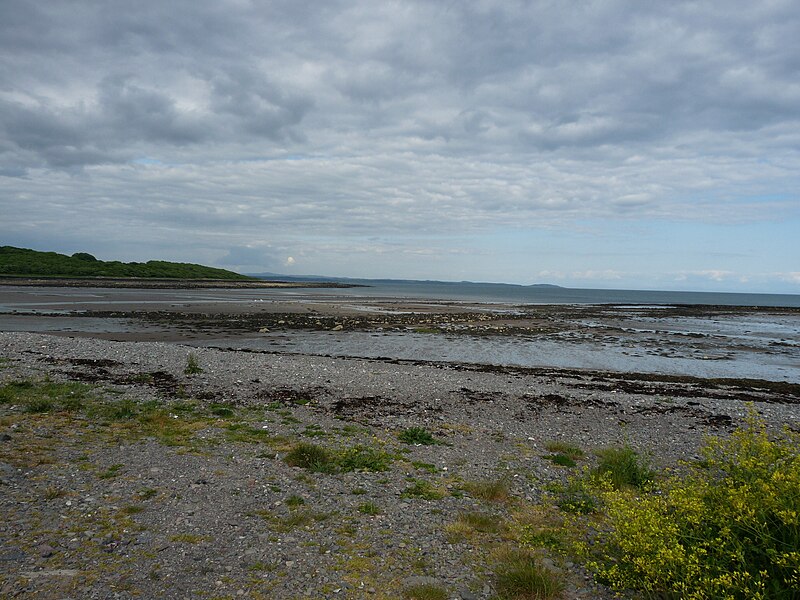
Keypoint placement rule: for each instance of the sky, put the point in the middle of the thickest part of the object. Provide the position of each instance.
(600, 144)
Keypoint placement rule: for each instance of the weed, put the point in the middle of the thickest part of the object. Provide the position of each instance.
(358, 491)
(221, 410)
(489, 490)
(131, 509)
(565, 448)
(482, 522)
(623, 466)
(562, 460)
(577, 495)
(294, 500)
(518, 574)
(416, 435)
(147, 493)
(424, 466)
(369, 508)
(364, 458)
(53, 492)
(423, 489)
(111, 471)
(311, 457)
(425, 591)
(192, 366)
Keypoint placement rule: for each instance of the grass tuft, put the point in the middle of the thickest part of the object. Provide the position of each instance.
(489, 490)
(311, 457)
(425, 591)
(417, 435)
(623, 466)
(520, 576)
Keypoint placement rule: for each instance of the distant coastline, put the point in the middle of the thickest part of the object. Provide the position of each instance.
(155, 283)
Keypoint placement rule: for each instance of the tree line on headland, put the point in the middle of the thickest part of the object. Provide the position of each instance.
(23, 262)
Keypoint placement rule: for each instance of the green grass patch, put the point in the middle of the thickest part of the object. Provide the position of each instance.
(496, 490)
(420, 488)
(519, 574)
(369, 508)
(425, 591)
(312, 457)
(416, 435)
(623, 466)
(46, 396)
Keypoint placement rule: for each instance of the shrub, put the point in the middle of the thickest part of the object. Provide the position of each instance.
(729, 529)
(416, 435)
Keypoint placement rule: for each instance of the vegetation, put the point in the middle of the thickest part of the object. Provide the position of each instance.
(425, 591)
(488, 490)
(729, 529)
(192, 366)
(321, 460)
(623, 467)
(520, 575)
(416, 435)
(22, 262)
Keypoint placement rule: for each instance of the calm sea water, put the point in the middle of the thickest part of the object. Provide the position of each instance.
(496, 292)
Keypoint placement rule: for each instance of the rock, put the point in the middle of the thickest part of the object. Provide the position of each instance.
(467, 595)
(337, 328)
(4, 437)
(264, 330)
(45, 550)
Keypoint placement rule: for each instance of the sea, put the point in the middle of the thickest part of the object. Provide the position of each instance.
(466, 291)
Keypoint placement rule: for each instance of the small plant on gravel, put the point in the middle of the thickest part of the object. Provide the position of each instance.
(192, 366)
(416, 435)
(312, 457)
(577, 495)
(221, 410)
(420, 488)
(425, 591)
(294, 500)
(519, 574)
(482, 522)
(110, 472)
(623, 466)
(489, 490)
(364, 458)
(358, 491)
(563, 453)
(53, 492)
(369, 508)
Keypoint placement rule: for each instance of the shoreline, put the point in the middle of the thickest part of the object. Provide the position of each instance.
(221, 503)
(165, 284)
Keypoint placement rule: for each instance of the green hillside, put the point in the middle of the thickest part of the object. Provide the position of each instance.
(21, 262)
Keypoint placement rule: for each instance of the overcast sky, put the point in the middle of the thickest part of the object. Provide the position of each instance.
(614, 144)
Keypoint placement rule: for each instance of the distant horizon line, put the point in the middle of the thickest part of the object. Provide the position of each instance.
(267, 274)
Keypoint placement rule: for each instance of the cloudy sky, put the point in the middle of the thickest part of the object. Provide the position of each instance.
(608, 143)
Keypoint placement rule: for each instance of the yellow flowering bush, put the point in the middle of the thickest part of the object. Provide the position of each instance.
(728, 529)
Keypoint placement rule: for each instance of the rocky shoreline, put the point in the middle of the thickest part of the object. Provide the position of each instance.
(108, 501)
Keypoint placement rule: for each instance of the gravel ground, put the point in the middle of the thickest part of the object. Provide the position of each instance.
(204, 504)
